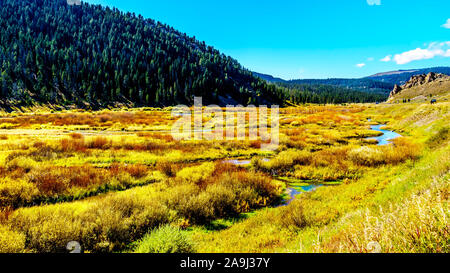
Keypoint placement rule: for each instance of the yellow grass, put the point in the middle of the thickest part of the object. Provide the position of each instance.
(108, 178)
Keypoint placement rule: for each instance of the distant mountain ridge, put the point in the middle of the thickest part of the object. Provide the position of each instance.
(268, 78)
(400, 77)
(383, 82)
(397, 72)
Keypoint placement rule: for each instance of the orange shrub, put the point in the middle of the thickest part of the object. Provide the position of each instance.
(166, 138)
(166, 168)
(147, 146)
(255, 144)
(72, 145)
(39, 144)
(403, 149)
(48, 183)
(76, 136)
(99, 143)
(5, 212)
(136, 171)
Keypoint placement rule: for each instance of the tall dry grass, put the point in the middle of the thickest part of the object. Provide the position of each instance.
(420, 224)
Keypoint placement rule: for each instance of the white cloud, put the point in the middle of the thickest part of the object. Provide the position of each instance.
(433, 50)
(374, 2)
(361, 65)
(388, 58)
(301, 72)
(447, 24)
(370, 59)
(416, 55)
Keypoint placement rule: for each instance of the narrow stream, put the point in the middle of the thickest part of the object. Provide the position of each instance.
(238, 162)
(293, 191)
(386, 137)
(296, 188)
(242, 162)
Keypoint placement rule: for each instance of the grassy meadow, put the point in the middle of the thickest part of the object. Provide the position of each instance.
(117, 181)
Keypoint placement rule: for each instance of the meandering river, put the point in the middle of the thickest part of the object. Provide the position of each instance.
(294, 189)
(386, 137)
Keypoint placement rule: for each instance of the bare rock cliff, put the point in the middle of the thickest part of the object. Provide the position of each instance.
(418, 80)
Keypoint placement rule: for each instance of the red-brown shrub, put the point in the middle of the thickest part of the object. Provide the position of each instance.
(99, 143)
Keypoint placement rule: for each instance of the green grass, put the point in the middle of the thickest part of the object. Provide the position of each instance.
(165, 239)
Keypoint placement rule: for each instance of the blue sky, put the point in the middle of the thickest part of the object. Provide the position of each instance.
(312, 39)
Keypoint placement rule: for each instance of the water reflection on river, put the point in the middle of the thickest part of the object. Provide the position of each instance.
(387, 136)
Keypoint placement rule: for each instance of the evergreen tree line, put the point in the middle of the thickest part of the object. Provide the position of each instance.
(53, 52)
(325, 93)
(364, 84)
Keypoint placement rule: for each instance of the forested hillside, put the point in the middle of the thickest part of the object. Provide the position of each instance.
(365, 85)
(381, 83)
(326, 93)
(51, 52)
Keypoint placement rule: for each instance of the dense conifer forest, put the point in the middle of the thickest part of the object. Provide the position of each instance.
(52, 52)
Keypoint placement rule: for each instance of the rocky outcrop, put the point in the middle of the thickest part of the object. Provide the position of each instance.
(417, 80)
(423, 79)
(397, 89)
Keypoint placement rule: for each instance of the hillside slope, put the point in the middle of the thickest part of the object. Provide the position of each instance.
(93, 55)
(422, 88)
(268, 78)
(366, 85)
